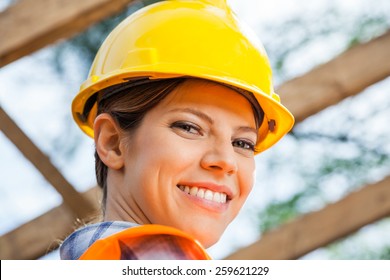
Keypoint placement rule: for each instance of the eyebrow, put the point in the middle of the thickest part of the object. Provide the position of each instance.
(210, 120)
(248, 129)
(195, 112)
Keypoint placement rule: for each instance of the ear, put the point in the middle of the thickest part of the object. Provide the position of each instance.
(108, 141)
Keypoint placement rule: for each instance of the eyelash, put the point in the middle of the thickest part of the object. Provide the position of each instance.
(188, 127)
(247, 144)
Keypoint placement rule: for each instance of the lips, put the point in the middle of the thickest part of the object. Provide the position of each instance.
(207, 194)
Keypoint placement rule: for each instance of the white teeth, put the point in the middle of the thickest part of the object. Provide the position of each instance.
(217, 197)
(208, 195)
(205, 194)
(194, 191)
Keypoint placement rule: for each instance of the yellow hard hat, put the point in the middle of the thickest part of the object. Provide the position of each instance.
(178, 38)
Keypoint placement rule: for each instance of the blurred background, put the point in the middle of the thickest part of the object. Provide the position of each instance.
(332, 153)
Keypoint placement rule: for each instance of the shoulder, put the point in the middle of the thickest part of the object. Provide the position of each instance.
(147, 242)
(80, 240)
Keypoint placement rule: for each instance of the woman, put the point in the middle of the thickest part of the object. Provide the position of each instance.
(179, 100)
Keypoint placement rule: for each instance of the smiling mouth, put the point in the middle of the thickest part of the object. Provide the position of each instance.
(204, 193)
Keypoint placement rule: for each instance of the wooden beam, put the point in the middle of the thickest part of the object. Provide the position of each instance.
(74, 200)
(316, 229)
(344, 76)
(43, 234)
(30, 25)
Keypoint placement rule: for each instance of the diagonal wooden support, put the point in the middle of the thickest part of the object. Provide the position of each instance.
(74, 200)
(30, 25)
(317, 229)
(345, 75)
(37, 237)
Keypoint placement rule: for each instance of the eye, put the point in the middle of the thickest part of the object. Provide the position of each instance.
(187, 127)
(244, 144)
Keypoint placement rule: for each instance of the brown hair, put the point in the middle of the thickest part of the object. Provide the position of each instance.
(132, 101)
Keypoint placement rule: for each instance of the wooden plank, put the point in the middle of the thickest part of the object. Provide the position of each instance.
(29, 25)
(316, 229)
(344, 76)
(37, 237)
(75, 201)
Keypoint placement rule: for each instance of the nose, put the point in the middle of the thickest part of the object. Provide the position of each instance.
(221, 159)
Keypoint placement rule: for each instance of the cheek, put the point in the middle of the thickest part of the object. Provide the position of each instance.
(159, 165)
(247, 178)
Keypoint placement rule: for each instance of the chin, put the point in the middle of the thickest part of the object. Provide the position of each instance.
(207, 232)
(208, 243)
(206, 237)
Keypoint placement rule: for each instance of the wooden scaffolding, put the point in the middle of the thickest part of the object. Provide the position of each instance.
(27, 29)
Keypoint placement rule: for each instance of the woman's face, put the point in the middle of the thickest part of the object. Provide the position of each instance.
(190, 163)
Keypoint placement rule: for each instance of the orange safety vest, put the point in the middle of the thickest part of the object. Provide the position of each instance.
(147, 242)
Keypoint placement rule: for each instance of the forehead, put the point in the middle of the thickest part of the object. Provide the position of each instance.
(205, 93)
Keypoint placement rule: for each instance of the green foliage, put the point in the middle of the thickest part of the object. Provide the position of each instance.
(384, 254)
(280, 212)
(330, 30)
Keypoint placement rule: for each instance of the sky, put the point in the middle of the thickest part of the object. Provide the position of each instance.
(39, 101)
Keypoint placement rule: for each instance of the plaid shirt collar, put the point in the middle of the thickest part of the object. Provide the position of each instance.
(80, 240)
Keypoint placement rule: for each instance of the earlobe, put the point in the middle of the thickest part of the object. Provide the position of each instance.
(108, 141)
